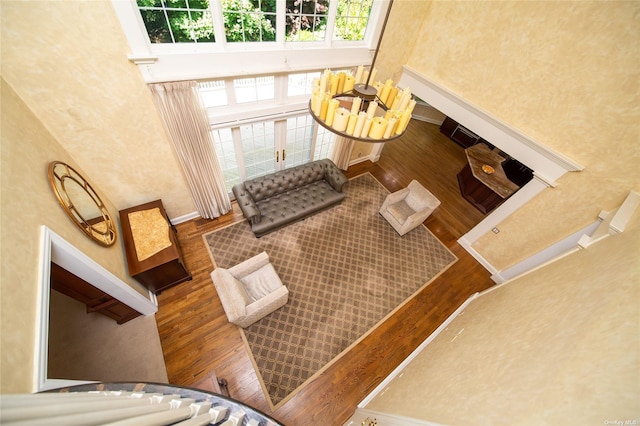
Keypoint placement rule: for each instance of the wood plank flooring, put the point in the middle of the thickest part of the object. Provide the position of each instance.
(197, 340)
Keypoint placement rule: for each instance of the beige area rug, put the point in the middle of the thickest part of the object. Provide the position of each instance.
(346, 270)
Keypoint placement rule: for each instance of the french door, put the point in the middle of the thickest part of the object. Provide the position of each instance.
(254, 149)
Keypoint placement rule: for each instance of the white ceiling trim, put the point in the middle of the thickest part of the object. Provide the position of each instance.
(548, 164)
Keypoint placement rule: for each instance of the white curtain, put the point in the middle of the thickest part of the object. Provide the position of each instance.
(186, 122)
(341, 152)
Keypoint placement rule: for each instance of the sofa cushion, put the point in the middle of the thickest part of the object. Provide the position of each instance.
(283, 181)
(295, 205)
(400, 211)
(262, 282)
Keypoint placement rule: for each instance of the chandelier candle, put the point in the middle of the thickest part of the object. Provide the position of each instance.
(357, 107)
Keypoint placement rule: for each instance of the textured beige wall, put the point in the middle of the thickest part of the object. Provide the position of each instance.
(558, 346)
(565, 73)
(28, 203)
(401, 37)
(74, 74)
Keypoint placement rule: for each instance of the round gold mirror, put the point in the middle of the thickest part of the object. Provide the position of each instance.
(82, 203)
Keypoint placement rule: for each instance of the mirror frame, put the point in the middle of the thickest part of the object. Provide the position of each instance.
(60, 174)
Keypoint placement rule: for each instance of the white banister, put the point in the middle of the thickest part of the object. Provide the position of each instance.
(122, 404)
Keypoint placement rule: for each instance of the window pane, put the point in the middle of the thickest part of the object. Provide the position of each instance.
(300, 84)
(149, 3)
(201, 27)
(157, 26)
(306, 20)
(225, 151)
(213, 93)
(352, 19)
(177, 21)
(254, 89)
(258, 148)
(299, 140)
(324, 143)
(249, 21)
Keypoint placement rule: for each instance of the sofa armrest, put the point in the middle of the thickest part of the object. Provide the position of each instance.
(250, 265)
(334, 176)
(260, 308)
(233, 297)
(246, 203)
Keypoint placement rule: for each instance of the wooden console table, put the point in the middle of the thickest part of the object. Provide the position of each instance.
(160, 268)
(485, 191)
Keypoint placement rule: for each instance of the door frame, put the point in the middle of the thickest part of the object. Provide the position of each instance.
(54, 248)
(547, 164)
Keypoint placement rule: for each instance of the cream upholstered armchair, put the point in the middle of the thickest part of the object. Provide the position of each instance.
(409, 207)
(250, 290)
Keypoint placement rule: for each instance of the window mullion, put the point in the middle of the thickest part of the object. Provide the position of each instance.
(166, 17)
(331, 22)
(281, 81)
(280, 130)
(281, 22)
(231, 91)
(237, 144)
(314, 140)
(218, 23)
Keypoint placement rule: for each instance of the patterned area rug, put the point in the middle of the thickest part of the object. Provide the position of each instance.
(346, 270)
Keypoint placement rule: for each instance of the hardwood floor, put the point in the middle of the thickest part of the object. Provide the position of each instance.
(197, 339)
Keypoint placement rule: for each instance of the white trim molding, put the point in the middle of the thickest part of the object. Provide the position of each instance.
(547, 164)
(198, 61)
(54, 248)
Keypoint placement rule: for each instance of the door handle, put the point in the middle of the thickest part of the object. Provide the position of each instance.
(277, 156)
(283, 155)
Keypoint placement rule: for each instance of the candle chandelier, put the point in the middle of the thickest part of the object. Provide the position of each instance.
(356, 106)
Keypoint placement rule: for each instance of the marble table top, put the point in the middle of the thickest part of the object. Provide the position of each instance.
(481, 155)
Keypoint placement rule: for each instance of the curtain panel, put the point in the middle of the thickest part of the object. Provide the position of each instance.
(187, 125)
(341, 152)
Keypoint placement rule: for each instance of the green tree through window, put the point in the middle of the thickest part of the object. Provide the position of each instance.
(191, 21)
(253, 20)
(352, 19)
(177, 21)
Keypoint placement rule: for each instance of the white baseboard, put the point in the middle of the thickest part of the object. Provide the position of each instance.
(466, 244)
(184, 218)
(362, 416)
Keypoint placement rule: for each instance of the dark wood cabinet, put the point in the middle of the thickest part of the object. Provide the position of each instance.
(460, 134)
(484, 190)
(476, 192)
(96, 300)
(165, 267)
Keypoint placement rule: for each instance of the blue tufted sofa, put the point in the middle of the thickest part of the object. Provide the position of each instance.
(272, 201)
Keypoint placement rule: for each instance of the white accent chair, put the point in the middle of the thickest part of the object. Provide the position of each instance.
(250, 290)
(408, 208)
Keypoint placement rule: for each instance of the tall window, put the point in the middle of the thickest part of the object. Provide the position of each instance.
(352, 19)
(192, 21)
(306, 19)
(261, 124)
(246, 21)
(177, 21)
